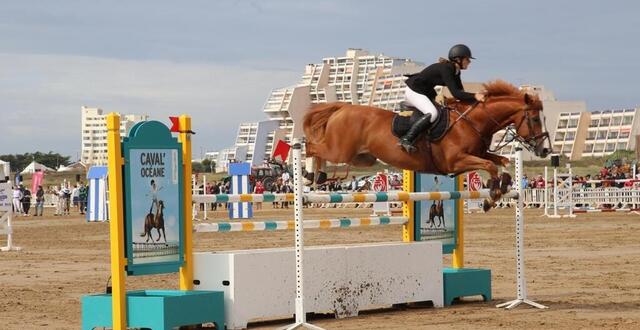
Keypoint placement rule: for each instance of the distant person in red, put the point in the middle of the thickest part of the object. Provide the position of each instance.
(258, 189)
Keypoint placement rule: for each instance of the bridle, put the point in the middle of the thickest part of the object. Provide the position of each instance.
(530, 142)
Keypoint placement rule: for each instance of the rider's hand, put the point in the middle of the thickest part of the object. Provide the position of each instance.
(479, 97)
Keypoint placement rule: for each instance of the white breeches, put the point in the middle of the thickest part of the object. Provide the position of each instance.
(421, 102)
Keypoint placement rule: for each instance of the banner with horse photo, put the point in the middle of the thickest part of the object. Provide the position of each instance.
(437, 217)
(154, 221)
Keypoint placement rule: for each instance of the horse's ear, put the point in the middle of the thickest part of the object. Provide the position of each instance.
(527, 99)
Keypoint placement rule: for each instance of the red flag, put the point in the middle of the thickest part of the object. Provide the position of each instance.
(36, 180)
(175, 124)
(282, 151)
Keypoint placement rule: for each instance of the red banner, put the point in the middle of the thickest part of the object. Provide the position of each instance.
(474, 181)
(36, 180)
(281, 151)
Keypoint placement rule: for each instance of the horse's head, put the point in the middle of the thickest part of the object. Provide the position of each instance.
(522, 116)
(530, 127)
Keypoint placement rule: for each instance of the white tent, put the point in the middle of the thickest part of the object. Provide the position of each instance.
(35, 167)
(73, 167)
(5, 169)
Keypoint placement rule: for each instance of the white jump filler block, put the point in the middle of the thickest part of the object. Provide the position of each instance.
(341, 279)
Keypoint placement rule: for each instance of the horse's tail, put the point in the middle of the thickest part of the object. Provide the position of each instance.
(315, 120)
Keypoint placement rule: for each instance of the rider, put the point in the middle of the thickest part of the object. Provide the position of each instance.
(420, 92)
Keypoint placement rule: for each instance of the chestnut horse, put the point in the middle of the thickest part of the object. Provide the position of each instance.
(360, 135)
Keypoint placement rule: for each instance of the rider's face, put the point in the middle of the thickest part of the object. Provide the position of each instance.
(464, 64)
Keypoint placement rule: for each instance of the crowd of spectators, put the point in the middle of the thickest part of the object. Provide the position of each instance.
(63, 198)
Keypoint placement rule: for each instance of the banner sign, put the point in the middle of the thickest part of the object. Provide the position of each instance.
(153, 203)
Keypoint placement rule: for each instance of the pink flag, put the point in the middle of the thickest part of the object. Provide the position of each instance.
(36, 180)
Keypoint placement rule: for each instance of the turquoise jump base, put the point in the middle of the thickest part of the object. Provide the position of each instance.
(465, 282)
(157, 309)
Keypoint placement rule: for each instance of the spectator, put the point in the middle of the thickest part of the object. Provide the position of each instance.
(82, 198)
(65, 199)
(75, 195)
(258, 189)
(26, 201)
(39, 202)
(285, 177)
(17, 200)
(354, 183)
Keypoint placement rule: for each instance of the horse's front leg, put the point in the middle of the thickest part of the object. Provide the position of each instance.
(505, 179)
(469, 163)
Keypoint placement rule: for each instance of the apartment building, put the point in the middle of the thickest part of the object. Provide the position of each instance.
(358, 78)
(94, 134)
(596, 134)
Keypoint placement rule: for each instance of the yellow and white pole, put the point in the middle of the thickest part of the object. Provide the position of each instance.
(116, 222)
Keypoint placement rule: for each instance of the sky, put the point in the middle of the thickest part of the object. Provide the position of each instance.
(219, 60)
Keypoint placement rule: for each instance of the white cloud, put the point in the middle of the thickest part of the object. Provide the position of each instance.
(41, 96)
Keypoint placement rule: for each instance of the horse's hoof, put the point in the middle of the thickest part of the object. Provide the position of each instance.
(309, 176)
(322, 178)
(486, 206)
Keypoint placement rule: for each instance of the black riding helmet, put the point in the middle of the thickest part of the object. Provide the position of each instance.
(460, 51)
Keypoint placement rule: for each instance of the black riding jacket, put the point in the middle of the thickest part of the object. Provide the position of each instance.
(439, 74)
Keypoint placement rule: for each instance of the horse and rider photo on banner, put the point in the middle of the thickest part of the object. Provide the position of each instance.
(155, 205)
(437, 216)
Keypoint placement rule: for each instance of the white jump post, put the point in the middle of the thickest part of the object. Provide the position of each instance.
(521, 280)
(301, 316)
(546, 192)
(570, 183)
(6, 219)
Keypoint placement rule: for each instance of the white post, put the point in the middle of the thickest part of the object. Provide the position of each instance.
(301, 317)
(7, 218)
(555, 194)
(9, 232)
(521, 280)
(204, 191)
(570, 183)
(546, 193)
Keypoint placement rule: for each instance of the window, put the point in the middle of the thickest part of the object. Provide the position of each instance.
(573, 123)
(627, 120)
(562, 123)
(613, 135)
(624, 135)
(571, 136)
(616, 121)
(591, 135)
(605, 122)
(594, 122)
(599, 147)
(588, 148)
(559, 136)
(621, 146)
(611, 147)
(602, 135)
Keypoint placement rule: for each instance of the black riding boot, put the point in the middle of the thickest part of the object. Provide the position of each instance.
(412, 134)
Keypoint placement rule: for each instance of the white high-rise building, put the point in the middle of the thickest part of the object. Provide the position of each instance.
(357, 78)
(94, 134)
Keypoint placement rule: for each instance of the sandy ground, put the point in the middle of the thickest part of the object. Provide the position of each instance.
(585, 269)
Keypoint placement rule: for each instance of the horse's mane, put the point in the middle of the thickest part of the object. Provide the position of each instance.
(501, 88)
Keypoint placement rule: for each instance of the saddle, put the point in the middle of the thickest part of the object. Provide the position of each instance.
(403, 120)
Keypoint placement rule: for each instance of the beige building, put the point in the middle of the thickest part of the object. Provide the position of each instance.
(357, 78)
(596, 134)
(94, 134)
